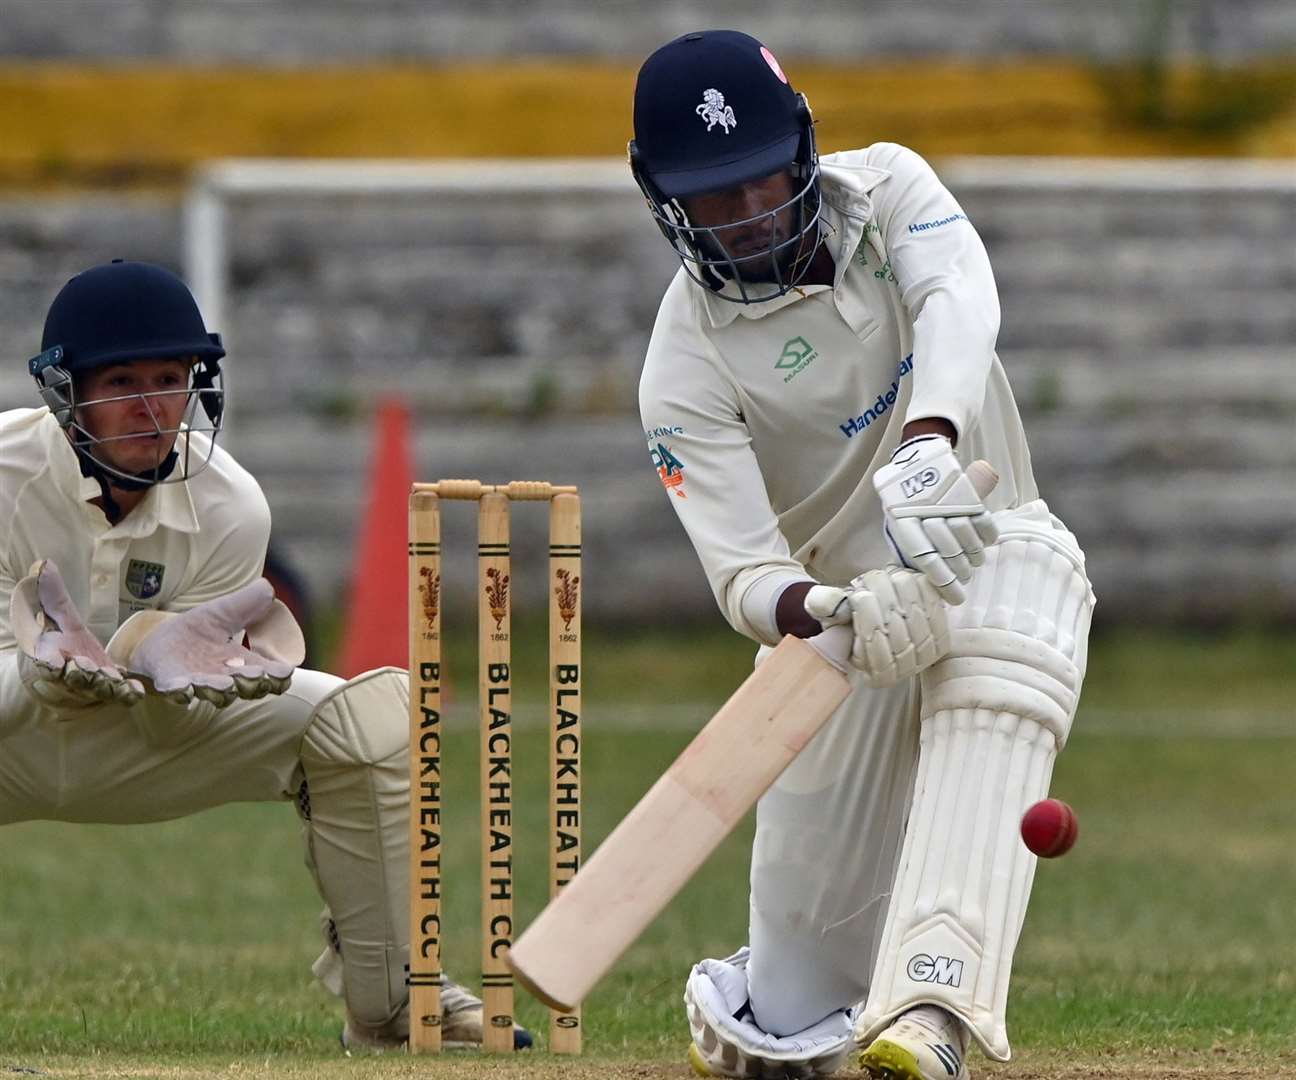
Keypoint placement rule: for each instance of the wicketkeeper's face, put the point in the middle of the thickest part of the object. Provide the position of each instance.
(133, 410)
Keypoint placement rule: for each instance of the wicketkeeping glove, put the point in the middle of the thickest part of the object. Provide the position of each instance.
(935, 519)
(199, 653)
(897, 618)
(61, 663)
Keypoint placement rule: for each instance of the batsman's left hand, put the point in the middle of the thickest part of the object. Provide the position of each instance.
(897, 621)
(935, 519)
(199, 653)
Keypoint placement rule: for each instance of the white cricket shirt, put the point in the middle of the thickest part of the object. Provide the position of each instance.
(766, 421)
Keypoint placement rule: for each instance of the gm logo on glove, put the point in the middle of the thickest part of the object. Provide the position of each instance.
(917, 484)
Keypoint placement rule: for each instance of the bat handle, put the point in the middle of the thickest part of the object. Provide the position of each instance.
(983, 477)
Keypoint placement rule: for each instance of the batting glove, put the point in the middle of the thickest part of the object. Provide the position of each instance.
(935, 519)
(897, 619)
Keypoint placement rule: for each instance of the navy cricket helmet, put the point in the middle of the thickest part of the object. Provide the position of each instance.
(712, 110)
(114, 314)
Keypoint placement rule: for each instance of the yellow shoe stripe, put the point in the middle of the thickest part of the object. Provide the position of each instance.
(695, 1059)
(885, 1060)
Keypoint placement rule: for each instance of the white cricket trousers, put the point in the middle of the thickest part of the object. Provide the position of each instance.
(120, 766)
(347, 740)
(828, 835)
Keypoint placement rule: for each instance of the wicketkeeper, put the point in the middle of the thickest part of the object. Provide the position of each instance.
(821, 373)
(130, 572)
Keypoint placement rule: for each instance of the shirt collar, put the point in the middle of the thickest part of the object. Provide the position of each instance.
(846, 210)
(170, 506)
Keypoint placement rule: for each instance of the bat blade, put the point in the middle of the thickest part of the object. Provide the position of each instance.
(663, 841)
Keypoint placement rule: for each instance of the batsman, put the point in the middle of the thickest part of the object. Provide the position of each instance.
(821, 375)
(130, 579)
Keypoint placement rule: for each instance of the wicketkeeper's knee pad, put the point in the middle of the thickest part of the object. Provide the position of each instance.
(995, 712)
(363, 721)
(354, 755)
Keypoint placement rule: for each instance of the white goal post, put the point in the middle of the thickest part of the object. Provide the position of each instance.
(216, 184)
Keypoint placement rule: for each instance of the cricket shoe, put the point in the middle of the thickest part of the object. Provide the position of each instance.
(461, 1021)
(925, 1043)
(700, 1067)
(727, 1041)
(461, 1026)
(698, 1062)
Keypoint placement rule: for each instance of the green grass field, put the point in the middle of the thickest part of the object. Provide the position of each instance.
(1162, 946)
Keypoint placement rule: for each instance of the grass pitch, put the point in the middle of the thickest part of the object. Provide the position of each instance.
(1162, 946)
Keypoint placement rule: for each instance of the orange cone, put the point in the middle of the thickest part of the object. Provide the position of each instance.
(376, 632)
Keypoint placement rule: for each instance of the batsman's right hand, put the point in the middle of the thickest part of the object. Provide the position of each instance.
(935, 518)
(61, 663)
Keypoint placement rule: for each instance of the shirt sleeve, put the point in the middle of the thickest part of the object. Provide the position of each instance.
(701, 449)
(946, 284)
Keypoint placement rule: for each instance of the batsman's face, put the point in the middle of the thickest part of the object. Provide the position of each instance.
(748, 223)
(134, 410)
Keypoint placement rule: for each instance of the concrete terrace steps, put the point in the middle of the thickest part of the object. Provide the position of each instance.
(296, 32)
(1148, 333)
(317, 477)
(1261, 380)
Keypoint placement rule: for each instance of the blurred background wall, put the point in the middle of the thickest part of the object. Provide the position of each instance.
(304, 32)
(1148, 325)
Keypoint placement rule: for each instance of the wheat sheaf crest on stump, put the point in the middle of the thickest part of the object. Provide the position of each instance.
(430, 590)
(497, 594)
(568, 593)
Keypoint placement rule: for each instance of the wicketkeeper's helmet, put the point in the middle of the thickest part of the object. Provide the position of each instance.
(117, 313)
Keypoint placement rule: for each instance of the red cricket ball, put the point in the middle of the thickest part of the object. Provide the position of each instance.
(1049, 828)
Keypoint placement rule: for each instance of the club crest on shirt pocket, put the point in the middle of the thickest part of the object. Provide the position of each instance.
(144, 579)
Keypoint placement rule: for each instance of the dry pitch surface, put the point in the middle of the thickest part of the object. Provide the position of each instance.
(1029, 1065)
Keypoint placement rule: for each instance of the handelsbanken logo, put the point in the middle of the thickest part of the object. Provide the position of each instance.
(924, 226)
(855, 424)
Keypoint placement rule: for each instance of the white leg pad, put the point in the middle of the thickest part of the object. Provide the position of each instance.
(354, 755)
(995, 713)
(729, 1043)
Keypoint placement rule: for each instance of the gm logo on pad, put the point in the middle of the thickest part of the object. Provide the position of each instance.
(935, 969)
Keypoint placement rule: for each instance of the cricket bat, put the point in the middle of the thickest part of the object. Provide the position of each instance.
(697, 802)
